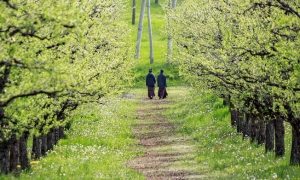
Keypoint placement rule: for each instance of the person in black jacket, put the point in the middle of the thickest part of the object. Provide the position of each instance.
(162, 84)
(150, 83)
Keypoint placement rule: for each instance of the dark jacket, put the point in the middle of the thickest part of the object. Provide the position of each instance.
(161, 80)
(150, 80)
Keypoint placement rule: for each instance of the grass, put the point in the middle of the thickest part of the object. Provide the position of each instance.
(203, 117)
(97, 146)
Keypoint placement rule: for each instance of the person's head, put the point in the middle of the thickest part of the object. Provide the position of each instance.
(161, 71)
(150, 70)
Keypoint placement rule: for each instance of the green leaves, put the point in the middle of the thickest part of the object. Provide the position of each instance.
(240, 48)
(74, 50)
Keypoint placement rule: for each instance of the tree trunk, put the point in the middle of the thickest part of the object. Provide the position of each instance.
(156, 1)
(14, 154)
(270, 132)
(61, 132)
(174, 3)
(50, 139)
(169, 36)
(56, 135)
(295, 151)
(24, 161)
(140, 30)
(262, 130)
(279, 137)
(37, 147)
(253, 130)
(246, 126)
(133, 11)
(234, 115)
(240, 121)
(44, 144)
(4, 157)
(150, 32)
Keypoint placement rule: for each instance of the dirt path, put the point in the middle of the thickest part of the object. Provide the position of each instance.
(168, 154)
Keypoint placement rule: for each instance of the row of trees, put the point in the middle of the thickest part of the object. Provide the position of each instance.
(55, 56)
(246, 51)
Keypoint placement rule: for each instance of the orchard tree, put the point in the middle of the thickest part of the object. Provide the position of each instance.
(246, 51)
(54, 57)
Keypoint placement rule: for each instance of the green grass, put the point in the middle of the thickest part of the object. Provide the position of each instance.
(203, 117)
(97, 146)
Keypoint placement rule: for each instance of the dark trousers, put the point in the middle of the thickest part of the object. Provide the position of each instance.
(161, 92)
(151, 91)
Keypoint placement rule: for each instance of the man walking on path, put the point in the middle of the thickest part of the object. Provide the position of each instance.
(162, 84)
(150, 83)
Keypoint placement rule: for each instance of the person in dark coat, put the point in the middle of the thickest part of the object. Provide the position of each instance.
(150, 83)
(162, 84)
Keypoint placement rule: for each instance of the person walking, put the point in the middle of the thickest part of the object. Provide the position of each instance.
(150, 83)
(162, 84)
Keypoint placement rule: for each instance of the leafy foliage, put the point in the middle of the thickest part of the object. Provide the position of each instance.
(56, 55)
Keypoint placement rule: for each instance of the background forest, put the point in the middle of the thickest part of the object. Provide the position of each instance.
(66, 66)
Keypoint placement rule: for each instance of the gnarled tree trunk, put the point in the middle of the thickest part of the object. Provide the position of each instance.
(44, 148)
(24, 161)
(4, 157)
(14, 154)
(295, 151)
(234, 115)
(261, 138)
(37, 147)
(279, 137)
(246, 126)
(270, 132)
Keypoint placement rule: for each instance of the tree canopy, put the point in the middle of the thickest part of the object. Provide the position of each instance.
(56, 55)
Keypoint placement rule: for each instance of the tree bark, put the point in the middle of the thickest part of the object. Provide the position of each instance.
(156, 1)
(150, 33)
(14, 155)
(56, 135)
(253, 130)
(270, 132)
(234, 115)
(37, 147)
(4, 157)
(50, 139)
(246, 126)
(262, 129)
(295, 151)
(170, 46)
(240, 121)
(140, 30)
(24, 161)
(279, 137)
(61, 132)
(44, 144)
(133, 11)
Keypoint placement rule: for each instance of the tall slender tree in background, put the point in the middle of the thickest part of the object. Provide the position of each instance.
(140, 30)
(156, 1)
(150, 32)
(169, 56)
(133, 11)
